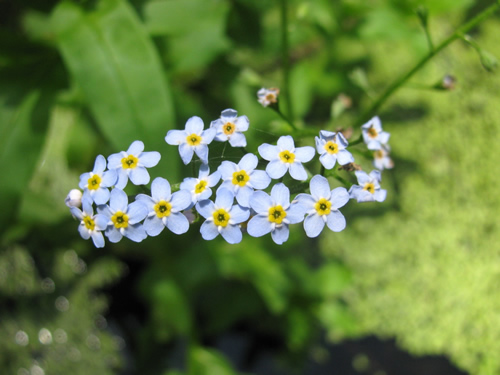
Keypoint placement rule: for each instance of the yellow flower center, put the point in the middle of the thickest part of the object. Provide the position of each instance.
(323, 206)
(331, 147)
(129, 162)
(94, 182)
(89, 223)
(271, 98)
(193, 139)
(228, 128)
(240, 178)
(200, 187)
(370, 187)
(372, 132)
(276, 214)
(163, 209)
(287, 156)
(379, 154)
(120, 220)
(221, 217)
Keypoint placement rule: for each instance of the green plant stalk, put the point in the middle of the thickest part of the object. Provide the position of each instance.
(401, 80)
(285, 58)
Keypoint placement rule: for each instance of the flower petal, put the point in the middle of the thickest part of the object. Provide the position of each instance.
(136, 212)
(313, 225)
(139, 176)
(320, 188)
(153, 226)
(298, 172)
(209, 230)
(259, 226)
(304, 154)
(176, 137)
(226, 169)
(268, 152)
(186, 152)
(248, 162)
(281, 195)
(238, 140)
(339, 197)
(259, 179)
(260, 202)
(280, 234)
(286, 143)
(295, 213)
(224, 198)
(136, 233)
(118, 200)
(160, 189)
(242, 123)
(98, 239)
(180, 200)
(177, 223)
(328, 160)
(202, 152)
(99, 165)
(232, 234)
(135, 148)
(205, 208)
(238, 214)
(149, 159)
(276, 169)
(336, 221)
(194, 125)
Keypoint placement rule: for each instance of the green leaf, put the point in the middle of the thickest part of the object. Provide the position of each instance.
(208, 362)
(22, 133)
(332, 278)
(111, 57)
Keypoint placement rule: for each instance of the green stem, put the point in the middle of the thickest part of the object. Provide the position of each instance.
(401, 80)
(285, 58)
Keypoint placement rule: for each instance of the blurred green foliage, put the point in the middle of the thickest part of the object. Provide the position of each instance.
(82, 78)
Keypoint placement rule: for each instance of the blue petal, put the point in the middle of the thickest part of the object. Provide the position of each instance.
(328, 160)
(243, 195)
(135, 148)
(298, 172)
(84, 232)
(136, 212)
(295, 213)
(268, 152)
(149, 159)
(204, 171)
(345, 157)
(320, 188)
(139, 176)
(238, 140)
(122, 179)
(209, 230)
(205, 208)
(286, 143)
(248, 162)
(153, 226)
(115, 160)
(208, 135)
(136, 233)
(280, 234)
(147, 200)
(259, 226)
(99, 165)
(380, 195)
(306, 201)
(181, 200)
(101, 221)
(214, 178)
(224, 198)
(239, 214)
(176, 137)
(339, 197)
(177, 223)
(242, 123)
(232, 234)
(313, 225)
(260, 202)
(113, 234)
(259, 179)
(109, 178)
(336, 221)
(304, 154)
(186, 152)
(228, 114)
(194, 125)
(118, 200)
(84, 179)
(160, 189)
(98, 239)
(202, 152)
(281, 195)
(226, 169)
(276, 169)
(101, 196)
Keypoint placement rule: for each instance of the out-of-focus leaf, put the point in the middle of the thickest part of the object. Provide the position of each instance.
(110, 56)
(208, 362)
(170, 310)
(196, 29)
(332, 278)
(22, 133)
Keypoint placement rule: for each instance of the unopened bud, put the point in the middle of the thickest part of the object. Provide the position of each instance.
(74, 198)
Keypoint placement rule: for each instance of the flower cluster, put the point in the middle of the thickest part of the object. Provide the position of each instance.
(242, 203)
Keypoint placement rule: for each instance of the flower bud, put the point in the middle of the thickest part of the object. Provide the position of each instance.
(74, 198)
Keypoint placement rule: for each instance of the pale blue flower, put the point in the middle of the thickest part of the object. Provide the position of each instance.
(199, 188)
(74, 198)
(123, 219)
(95, 184)
(193, 139)
(90, 225)
(373, 134)
(268, 97)
(230, 127)
(368, 189)
(274, 213)
(322, 206)
(382, 159)
(331, 147)
(165, 208)
(222, 217)
(285, 157)
(242, 178)
(132, 164)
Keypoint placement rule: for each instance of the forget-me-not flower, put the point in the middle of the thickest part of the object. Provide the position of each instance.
(230, 127)
(243, 178)
(95, 184)
(381, 158)
(193, 139)
(267, 97)
(222, 217)
(123, 219)
(90, 225)
(285, 157)
(164, 208)
(331, 147)
(74, 198)
(322, 206)
(274, 213)
(368, 189)
(373, 134)
(200, 187)
(132, 164)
